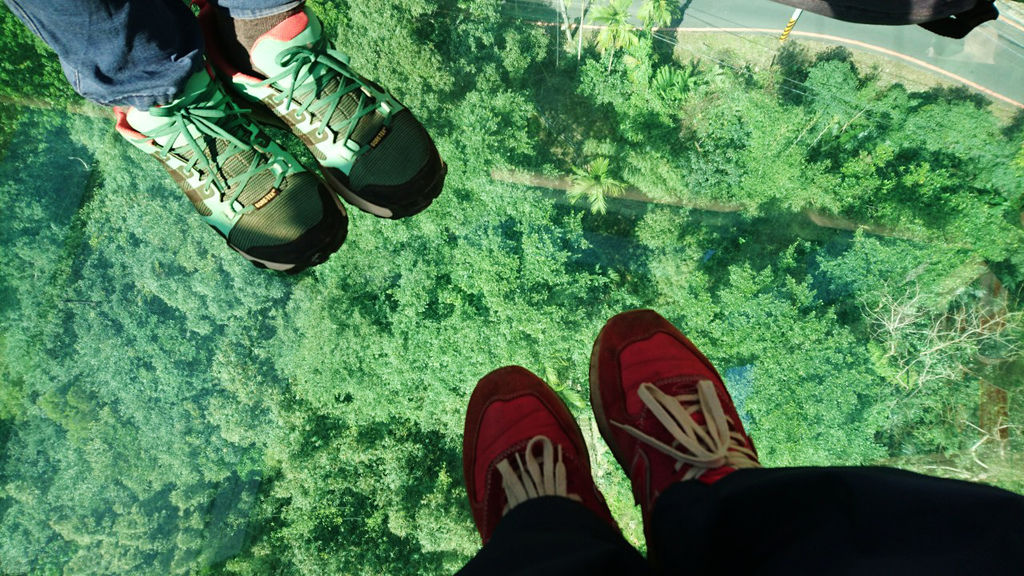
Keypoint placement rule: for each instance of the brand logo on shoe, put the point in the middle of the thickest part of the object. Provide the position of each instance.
(267, 198)
(380, 136)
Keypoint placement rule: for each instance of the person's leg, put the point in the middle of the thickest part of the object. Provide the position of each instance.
(709, 509)
(119, 52)
(530, 489)
(824, 520)
(663, 409)
(553, 536)
(250, 9)
(145, 57)
(372, 151)
(240, 23)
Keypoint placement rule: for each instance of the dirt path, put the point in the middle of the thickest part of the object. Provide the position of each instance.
(819, 219)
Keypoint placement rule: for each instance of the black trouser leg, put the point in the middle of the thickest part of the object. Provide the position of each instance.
(837, 521)
(555, 536)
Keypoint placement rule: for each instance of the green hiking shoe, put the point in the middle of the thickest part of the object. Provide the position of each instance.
(246, 187)
(371, 150)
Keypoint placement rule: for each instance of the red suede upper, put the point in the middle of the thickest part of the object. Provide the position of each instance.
(512, 424)
(509, 407)
(637, 347)
(656, 358)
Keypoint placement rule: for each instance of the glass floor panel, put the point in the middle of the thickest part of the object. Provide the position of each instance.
(835, 220)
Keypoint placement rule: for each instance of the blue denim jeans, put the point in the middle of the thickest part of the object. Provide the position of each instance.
(128, 52)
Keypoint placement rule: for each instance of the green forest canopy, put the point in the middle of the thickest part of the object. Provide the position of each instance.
(167, 408)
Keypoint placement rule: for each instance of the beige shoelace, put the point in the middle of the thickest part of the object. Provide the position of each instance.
(534, 478)
(703, 447)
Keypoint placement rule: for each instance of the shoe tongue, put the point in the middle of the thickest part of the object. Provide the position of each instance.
(195, 84)
(297, 30)
(144, 122)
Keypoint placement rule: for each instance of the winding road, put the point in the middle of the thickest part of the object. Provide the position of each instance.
(990, 59)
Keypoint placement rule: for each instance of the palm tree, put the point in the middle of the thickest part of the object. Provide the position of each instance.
(596, 184)
(655, 13)
(671, 82)
(617, 31)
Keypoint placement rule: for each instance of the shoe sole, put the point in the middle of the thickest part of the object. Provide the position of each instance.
(277, 266)
(318, 257)
(418, 205)
(598, 406)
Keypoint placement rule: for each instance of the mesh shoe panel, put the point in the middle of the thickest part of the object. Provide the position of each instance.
(284, 219)
(256, 188)
(367, 126)
(398, 157)
(244, 185)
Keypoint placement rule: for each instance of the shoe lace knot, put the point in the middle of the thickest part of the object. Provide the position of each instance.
(319, 82)
(210, 134)
(534, 477)
(702, 447)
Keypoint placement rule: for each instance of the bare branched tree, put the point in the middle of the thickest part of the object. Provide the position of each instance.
(894, 314)
(926, 346)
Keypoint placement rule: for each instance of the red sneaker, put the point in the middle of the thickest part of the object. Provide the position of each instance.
(662, 407)
(521, 442)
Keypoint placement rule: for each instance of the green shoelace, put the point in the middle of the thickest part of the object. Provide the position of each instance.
(311, 70)
(212, 113)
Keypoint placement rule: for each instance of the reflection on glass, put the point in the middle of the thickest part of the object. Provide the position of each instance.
(834, 220)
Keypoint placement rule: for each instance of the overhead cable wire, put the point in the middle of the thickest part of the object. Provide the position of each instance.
(749, 37)
(715, 20)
